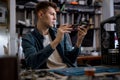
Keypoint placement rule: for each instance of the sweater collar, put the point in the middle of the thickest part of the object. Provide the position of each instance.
(51, 32)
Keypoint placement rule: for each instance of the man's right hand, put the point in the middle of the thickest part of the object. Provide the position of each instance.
(60, 34)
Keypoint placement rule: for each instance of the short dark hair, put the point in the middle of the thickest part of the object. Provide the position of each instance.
(43, 5)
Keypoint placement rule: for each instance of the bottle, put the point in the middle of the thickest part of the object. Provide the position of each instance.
(84, 21)
(116, 41)
(82, 2)
(20, 49)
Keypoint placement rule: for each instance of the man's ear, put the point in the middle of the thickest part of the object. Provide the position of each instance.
(40, 14)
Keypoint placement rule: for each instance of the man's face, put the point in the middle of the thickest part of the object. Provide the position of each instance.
(49, 17)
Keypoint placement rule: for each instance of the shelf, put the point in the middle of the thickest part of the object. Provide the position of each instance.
(117, 7)
(78, 8)
(26, 5)
(68, 8)
(95, 28)
(68, 13)
(23, 26)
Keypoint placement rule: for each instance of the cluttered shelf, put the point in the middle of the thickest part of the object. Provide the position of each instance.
(23, 29)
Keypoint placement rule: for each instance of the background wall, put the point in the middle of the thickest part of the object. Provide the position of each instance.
(3, 39)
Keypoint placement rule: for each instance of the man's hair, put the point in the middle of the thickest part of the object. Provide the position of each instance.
(43, 5)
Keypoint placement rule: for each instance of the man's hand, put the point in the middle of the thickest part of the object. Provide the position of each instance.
(60, 33)
(82, 31)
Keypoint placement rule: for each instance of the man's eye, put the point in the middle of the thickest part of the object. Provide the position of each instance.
(52, 14)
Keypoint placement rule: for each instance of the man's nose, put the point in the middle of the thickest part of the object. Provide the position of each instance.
(55, 18)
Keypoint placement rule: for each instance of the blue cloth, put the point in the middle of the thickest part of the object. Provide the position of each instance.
(80, 70)
(36, 55)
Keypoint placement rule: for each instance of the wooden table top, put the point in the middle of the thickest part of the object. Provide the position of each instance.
(89, 58)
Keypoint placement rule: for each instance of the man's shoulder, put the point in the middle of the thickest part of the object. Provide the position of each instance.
(27, 35)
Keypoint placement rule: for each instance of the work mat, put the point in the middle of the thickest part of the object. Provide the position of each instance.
(77, 71)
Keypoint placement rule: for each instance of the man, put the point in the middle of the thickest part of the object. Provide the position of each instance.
(47, 46)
